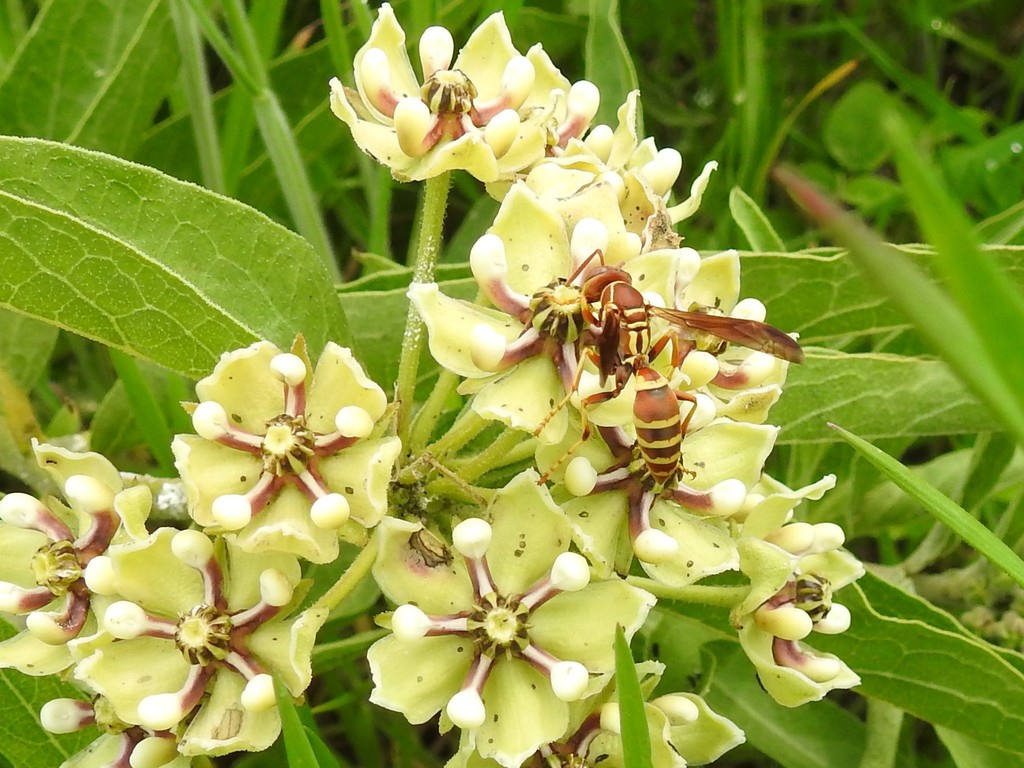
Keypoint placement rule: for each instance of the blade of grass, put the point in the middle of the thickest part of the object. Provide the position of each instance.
(830, 80)
(754, 224)
(296, 740)
(196, 86)
(917, 88)
(991, 304)
(1002, 228)
(249, 69)
(146, 409)
(944, 509)
(937, 317)
(636, 740)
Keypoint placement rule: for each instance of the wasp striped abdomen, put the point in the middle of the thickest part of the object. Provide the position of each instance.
(659, 427)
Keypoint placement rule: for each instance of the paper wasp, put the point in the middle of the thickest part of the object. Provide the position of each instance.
(619, 341)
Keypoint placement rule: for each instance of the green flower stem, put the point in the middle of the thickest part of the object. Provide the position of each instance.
(354, 574)
(466, 427)
(494, 455)
(435, 201)
(519, 452)
(723, 597)
(426, 418)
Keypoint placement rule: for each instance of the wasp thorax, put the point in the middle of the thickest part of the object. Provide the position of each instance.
(558, 311)
(203, 635)
(814, 596)
(448, 92)
(287, 444)
(55, 566)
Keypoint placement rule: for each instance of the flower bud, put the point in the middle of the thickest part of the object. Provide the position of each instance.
(353, 421)
(517, 81)
(678, 709)
(569, 680)
(88, 493)
(796, 538)
(436, 50)
(20, 510)
(413, 122)
(570, 572)
(466, 709)
(472, 537)
(501, 131)
(408, 622)
(330, 511)
(820, 669)
(654, 546)
(699, 367)
(487, 260)
(580, 476)
(210, 420)
(161, 711)
(785, 621)
(289, 368)
(611, 718)
(275, 589)
(661, 172)
(65, 715)
(232, 510)
(258, 694)
(836, 622)
(153, 752)
(193, 548)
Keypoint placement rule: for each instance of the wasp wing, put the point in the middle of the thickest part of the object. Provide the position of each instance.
(747, 333)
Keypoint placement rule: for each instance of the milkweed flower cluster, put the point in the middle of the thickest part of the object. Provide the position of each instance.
(176, 637)
(637, 381)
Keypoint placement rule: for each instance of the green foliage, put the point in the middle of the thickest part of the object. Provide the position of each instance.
(173, 274)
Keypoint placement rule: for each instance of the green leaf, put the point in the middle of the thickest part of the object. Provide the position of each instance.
(818, 735)
(944, 509)
(150, 265)
(91, 74)
(22, 740)
(754, 224)
(937, 318)
(851, 131)
(609, 64)
(636, 740)
(296, 740)
(25, 347)
(917, 88)
(971, 753)
(875, 395)
(377, 319)
(993, 307)
(917, 657)
(821, 293)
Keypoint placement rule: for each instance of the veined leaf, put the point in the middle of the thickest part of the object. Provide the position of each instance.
(935, 315)
(22, 740)
(25, 347)
(609, 64)
(876, 396)
(944, 509)
(91, 74)
(913, 655)
(150, 265)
